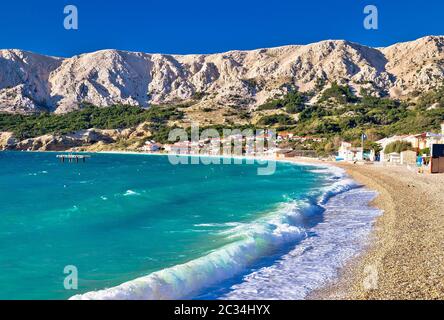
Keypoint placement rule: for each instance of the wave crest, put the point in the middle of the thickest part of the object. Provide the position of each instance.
(253, 241)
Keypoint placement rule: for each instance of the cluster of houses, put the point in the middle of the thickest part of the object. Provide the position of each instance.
(425, 147)
(258, 145)
(214, 146)
(151, 146)
(239, 145)
(288, 136)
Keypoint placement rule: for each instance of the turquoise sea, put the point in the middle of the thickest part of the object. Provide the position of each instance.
(164, 231)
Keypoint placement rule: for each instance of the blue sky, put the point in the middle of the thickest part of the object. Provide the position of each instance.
(198, 26)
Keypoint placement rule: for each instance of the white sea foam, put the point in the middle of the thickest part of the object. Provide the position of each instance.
(250, 242)
(217, 225)
(131, 193)
(316, 260)
(37, 173)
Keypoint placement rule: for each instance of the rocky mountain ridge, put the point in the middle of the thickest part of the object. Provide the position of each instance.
(31, 82)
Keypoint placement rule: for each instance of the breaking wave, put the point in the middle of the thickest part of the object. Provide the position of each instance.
(129, 193)
(251, 242)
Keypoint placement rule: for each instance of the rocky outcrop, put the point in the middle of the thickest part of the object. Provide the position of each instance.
(31, 82)
(7, 140)
(47, 143)
(51, 142)
(91, 139)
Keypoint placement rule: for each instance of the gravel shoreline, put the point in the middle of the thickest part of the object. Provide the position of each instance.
(405, 259)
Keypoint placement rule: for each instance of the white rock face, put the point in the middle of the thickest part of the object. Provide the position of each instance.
(24, 80)
(31, 82)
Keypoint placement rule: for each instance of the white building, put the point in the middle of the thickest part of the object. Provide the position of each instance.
(150, 146)
(349, 153)
(394, 157)
(418, 141)
(386, 141)
(408, 157)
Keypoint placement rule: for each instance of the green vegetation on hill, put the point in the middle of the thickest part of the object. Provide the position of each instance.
(293, 102)
(383, 118)
(280, 119)
(355, 115)
(115, 117)
(432, 99)
(341, 94)
(338, 115)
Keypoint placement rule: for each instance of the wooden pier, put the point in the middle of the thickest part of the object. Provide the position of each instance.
(72, 158)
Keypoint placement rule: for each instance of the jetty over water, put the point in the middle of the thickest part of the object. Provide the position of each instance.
(73, 157)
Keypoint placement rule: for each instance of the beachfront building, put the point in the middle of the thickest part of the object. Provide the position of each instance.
(408, 157)
(394, 157)
(150, 146)
(274, 152)
(235, 138)
(371, 156)
(419, 142)
(307, 138)
(215, 146)
(284, 153)
(167, 147)
(250, 145)
(284, 136)
(437, 158)
(386, 141)
(349, 153)
(181, 147)
(426, 140)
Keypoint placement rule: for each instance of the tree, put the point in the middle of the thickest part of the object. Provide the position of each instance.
(281, 119)
(398, 147)
(292, 102)
(341, 94)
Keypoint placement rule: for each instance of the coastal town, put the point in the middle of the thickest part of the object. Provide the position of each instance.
(423, 152)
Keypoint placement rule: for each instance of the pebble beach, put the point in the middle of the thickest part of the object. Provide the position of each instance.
(405, 256)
